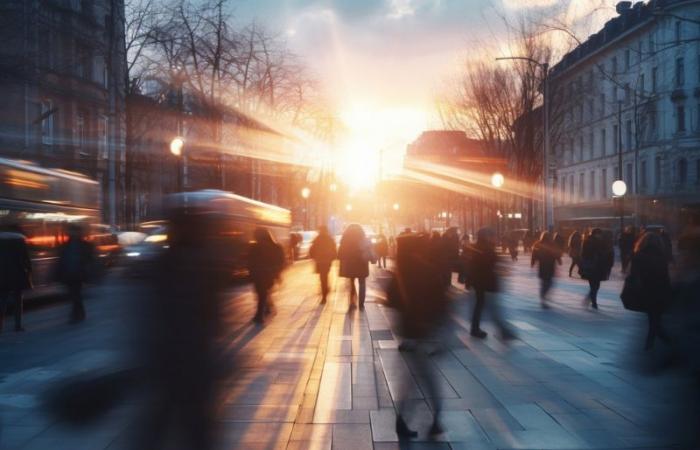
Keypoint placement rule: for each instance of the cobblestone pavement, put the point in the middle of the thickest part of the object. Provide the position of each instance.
(326, 377)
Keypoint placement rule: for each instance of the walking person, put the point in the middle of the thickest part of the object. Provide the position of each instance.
(574, 247)
(650, 271)
(76, 265)
(597, 259)
(482, 274)
(15, 273)
(323, 252)
(355, 253)
(513, 242)
(418, 293)
(265, 263)
(626, 245)
(381, 250)
(546, 253)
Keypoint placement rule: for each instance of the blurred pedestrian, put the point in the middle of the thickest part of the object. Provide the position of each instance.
(381, 249)
(559, 241)
(418, 293)
(668, 245)
(76, 266)
(179, 348)
(450, 245)
(528, 241)
(294, 242)
(650, 273)
(626, 245)
(265, 263)
(323, 252)
(15, 272)
(597, 259)
(482, 274)
(546, 253)
(513, 246)
(355, 253)
(574, 247)
(437, 253)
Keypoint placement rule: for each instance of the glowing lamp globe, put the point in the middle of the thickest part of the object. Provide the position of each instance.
(497, 180)
(619, 188)
(176, 146)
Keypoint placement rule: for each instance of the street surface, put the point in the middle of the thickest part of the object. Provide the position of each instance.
(318, 377)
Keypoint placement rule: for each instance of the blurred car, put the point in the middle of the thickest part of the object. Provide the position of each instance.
(307, 238)
(143, 245)
(106, 244)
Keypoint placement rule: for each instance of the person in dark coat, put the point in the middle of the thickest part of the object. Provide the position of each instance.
(546, 253)
(574, 247)
(76, 265)
(418, 293)
(626, 245)
(323, 252)
(512, 243)
(265, 263)
(381, 249)
(355, 252)
(597, 259)
(450, 244)
(15, 273)
(438, 254)
(668, 245)
(482, 274)
(650, 270)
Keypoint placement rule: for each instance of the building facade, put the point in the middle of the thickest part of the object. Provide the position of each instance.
(62, 76)
(631, 112)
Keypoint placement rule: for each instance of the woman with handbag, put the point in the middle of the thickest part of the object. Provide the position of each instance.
(650, 272)
(355, 253)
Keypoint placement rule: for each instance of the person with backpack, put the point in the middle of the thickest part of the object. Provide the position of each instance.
(323, 252)
(546, 253)
(76, 265)
(265, 263)
(597, 259)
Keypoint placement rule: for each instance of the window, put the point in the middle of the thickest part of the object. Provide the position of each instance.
(679, 31)
(602, 104)
(591, 186)
(641, 84)
(680, 118)
(654, 78)
(657, 173)
(102, 137)
(580, 147)
(603, 183)
(45, 53)
(613, 65)
(591, 146)
(47, 113)
(629, 178)
(83, 67)
(591, 108)
(603, 142)
(581, 185)
(614, 93)
(643, 174)
(680, 72)
(572, 196)
(652, 49)
(580, 111)
(628, 94)
(615, 139)
(80, 135)
(627, 59)
(629, 144)
(682, 172)
(652, 124)
(641, 50)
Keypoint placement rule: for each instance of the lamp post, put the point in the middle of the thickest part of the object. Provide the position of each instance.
(177, 147)
(548, 213)
(497, 181)
(305, 193)
(619, 189)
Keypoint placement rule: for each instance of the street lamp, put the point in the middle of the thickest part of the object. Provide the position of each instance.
(177, 146)
(396, 206)
(619, 189)
(497, 181)
(548, 213)
(348, 207)
(305, 193)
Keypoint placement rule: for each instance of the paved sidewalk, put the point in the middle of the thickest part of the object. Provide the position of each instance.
(325, 377)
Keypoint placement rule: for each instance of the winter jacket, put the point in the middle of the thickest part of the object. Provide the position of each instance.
(15, 265)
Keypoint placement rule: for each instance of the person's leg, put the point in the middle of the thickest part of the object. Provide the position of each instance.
(476, 314)
(323, 274)
(492, 302)
(594, 285)
(653, 329)
(363, 291)
(571, 267)
(261, 292)
(76, 295)
(19, 307)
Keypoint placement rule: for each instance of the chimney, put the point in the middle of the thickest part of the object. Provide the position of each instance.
(623, 7)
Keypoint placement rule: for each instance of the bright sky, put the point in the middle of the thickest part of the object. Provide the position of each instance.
(382, 61)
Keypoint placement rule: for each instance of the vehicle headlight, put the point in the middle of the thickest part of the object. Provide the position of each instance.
(133, 254)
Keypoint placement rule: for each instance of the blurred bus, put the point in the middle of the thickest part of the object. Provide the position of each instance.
(237, 217)
(42, 202)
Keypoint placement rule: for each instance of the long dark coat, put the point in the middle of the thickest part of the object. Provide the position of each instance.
(15, 265)
(547, 256)
(597, 259)
(481, 268)
(650, 269)
(323, 252)
(354, 254)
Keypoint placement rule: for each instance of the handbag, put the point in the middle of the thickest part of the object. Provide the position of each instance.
(631, 295)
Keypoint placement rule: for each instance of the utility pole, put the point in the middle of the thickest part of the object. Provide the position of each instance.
(548, 206)
(619, 163)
